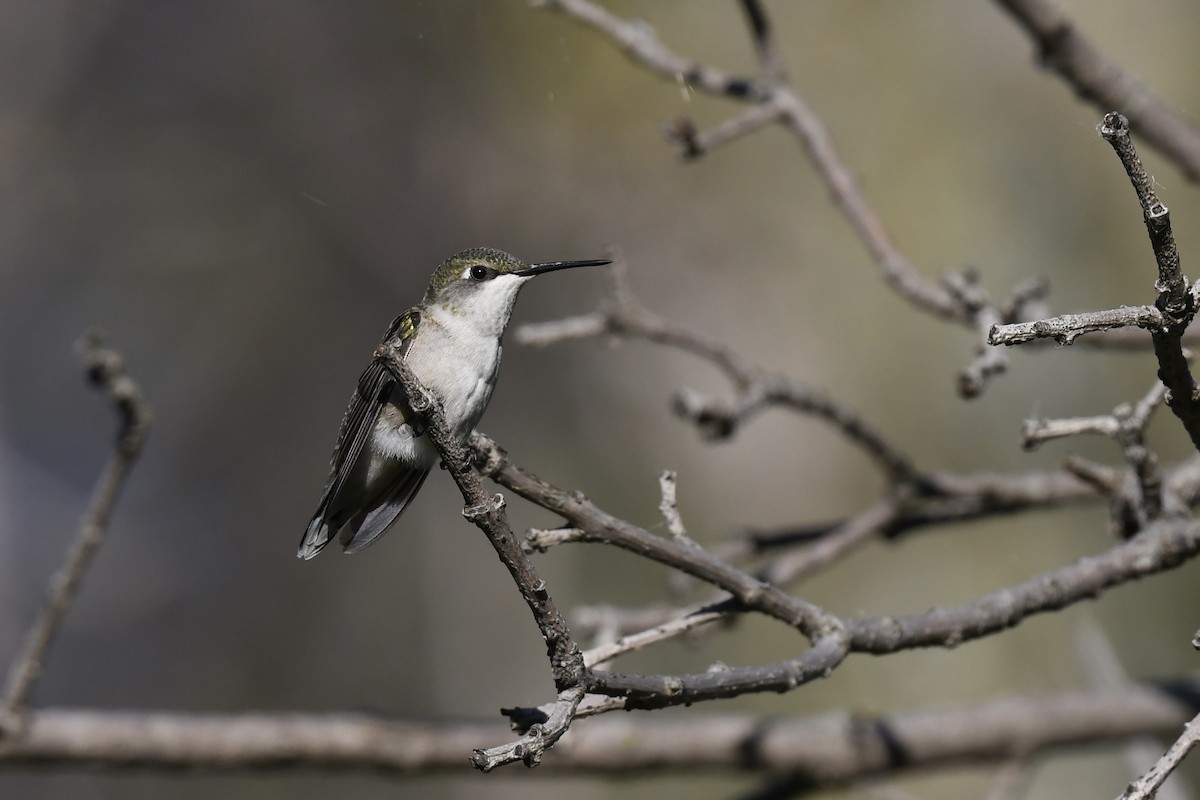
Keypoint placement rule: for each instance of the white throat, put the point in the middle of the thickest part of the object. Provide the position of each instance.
(484, 310)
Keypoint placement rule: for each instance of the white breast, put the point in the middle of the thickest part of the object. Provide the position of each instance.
(458, 363)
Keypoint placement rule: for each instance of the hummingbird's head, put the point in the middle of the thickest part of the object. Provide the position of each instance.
(481, 284)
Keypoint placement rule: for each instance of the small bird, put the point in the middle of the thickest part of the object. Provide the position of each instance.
(451, 341)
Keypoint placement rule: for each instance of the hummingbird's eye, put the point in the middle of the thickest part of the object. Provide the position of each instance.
(479, 272)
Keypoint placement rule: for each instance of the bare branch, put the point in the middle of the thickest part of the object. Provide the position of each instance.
(106, 371)
(1171, 284)
(677, 626)
(1131, 435)
(543, 334)
(947, 499)
(898, 272)
(604, 623)
(694, 143)
(988, 361)
(1104, 479)
(641, 44)
(1176, 299)
(566, 660)
(626, 319)
(756, 388)
(599, 526)
(539, 540)
(670, 508)
(769, 59)
(1064, 329)
(1036, 431)
(1127, 426)
(827, 750)
(536, 739)
(1104, 84)
(1104, 672)
(1160, 547)
(823, 630)
(1146, 787)
(868, 524)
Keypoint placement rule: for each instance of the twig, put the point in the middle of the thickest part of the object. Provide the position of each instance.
(543, 334)
(106, 371)
(662, 691)
(539, 540)
(1064, 329)
(566, 660)
(898, 272)
(625, 318)
(1146, 787)
(1036, 431)
(597, 525)
(1127, 425)
(1104, 84)
(630, 643)
(948, 499)
(1104, 672)
(823, 630)
(775, 98)
(1171, 283)
(694, 143)
(1131, 435)
(988, 361)
(1162, 546)
(756, 389)
(1109, 482)
(769, 59)
(535, 739)
(669, 508)
(641, 44)
(1176, 299)
(867, 524)
(604, 623)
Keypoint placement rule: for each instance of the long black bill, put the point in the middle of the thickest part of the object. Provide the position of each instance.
(551, 266)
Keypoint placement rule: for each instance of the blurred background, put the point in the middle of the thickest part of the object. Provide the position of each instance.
(243, 195)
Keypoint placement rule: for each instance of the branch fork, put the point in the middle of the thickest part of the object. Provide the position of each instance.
(488, 514)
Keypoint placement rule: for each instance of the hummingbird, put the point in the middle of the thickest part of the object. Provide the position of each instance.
(451, 342)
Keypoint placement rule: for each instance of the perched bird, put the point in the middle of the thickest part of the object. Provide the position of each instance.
(451, 342)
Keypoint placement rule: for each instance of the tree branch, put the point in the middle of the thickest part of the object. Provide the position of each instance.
(755, 388)
(1160, 547)
(106, 371)
(566, 660)
(1146, 787)
(1176, 300)
(639, 42)
(1064, 329)
(824, 751)
(1104, 84)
